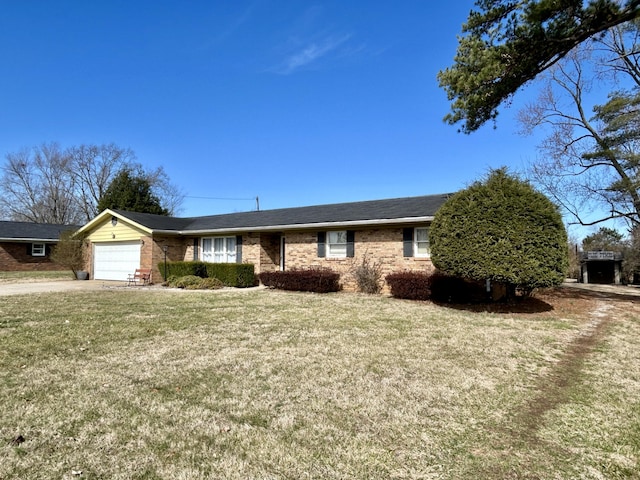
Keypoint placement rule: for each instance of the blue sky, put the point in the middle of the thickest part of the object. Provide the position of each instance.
(298, 103)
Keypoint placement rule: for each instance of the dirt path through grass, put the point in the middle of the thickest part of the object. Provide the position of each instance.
(554, 388)
(522, 444)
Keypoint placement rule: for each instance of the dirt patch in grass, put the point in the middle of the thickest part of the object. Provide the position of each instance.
(556, 386)
(522, 446)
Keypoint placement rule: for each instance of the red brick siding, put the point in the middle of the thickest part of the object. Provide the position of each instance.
(16, 257)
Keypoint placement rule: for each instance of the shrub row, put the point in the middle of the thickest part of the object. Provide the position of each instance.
(230, 274)
(318, 280)
(436, 286)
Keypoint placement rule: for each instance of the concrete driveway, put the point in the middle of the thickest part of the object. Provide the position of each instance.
(633, 290)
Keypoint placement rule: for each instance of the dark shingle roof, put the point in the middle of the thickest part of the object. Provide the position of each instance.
(27, 231)
(156, 222)
(367, 211)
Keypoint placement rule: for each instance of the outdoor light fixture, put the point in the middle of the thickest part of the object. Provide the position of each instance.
(114, 221)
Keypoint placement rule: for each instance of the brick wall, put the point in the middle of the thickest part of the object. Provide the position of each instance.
(269, 252)
(382, 246)
(153, 255)
(16, 257)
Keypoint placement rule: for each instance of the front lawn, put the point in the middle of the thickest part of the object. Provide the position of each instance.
(36, 276)
(259, 384)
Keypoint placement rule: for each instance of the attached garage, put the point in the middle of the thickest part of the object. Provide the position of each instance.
(115, 260)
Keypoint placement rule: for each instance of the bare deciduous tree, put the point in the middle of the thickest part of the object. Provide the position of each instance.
(36, 186)
(94, 167)
(47, 184)
(588, 159)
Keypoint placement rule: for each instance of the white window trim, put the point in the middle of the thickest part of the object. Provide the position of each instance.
(229, 256)
(38, 249)
(329, 245)
(415, 243)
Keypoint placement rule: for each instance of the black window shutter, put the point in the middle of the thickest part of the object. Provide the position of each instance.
(350, 243)
(322, 238)
(196, 245)
(29, 248)
(238, 248)
(407, 242)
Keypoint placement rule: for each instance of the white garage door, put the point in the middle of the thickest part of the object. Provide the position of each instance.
(114, 261)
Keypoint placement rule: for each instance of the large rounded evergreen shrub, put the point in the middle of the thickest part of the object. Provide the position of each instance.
(503, 230)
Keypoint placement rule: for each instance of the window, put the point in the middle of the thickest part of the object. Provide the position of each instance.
(37, 249)
(421, 242)
(416, 242)
(337, 244)
(219, 250)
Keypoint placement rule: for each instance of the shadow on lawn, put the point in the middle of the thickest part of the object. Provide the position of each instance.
(518, 305)
(563, 298)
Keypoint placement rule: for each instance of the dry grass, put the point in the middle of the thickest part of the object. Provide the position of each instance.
(38, 276)
(264, 384)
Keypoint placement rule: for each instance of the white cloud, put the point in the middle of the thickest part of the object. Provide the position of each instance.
(311, 54)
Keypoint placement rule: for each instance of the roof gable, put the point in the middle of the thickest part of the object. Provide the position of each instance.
(108, 214)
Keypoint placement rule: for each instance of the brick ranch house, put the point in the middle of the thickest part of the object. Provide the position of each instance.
(392, 232)
(26, 247)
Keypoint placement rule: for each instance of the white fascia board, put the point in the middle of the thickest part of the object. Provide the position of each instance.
(302, 226)
(29, 240)
(110, 213)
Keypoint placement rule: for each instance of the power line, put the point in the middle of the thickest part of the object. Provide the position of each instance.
(253, 199)
(219, 198)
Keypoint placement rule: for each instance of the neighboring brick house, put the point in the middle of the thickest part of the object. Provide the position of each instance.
(27, 246)
(393, 233)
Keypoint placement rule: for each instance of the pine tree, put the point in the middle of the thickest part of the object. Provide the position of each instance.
(131, 192)
(507, 43)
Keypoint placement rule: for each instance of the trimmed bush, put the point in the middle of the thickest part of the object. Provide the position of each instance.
(209, 284)
(437, 286)
(186, 281)
(317, 280)
(230, 274)
(503, 230)
(193, 282)
(182, 269)
(410, 285)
